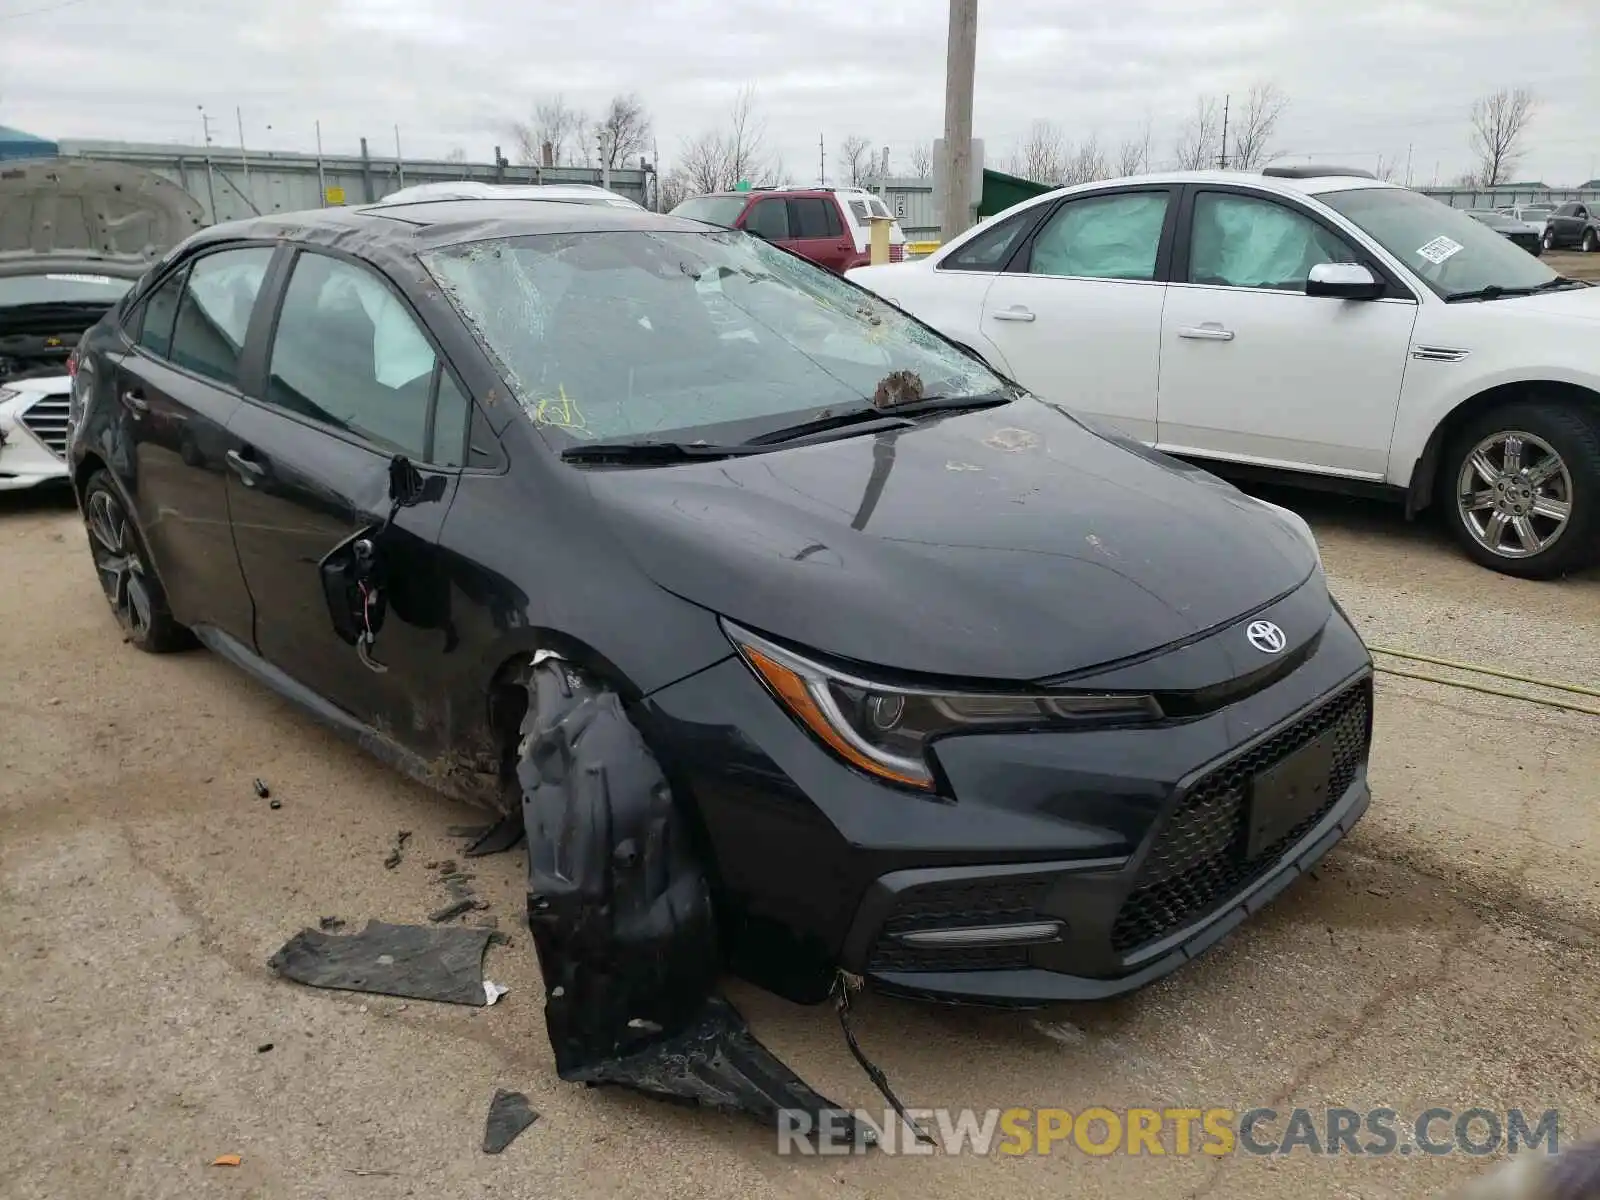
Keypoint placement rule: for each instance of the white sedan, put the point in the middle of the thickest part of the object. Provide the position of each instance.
(1300, 323)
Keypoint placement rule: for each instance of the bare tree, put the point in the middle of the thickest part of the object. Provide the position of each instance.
(457, 155)
(1086, 163)
(1251, 131)
(557, 125)
(1133, 156)
(921, 160)
(624, 131)
(1386, 168)
(1499, 125)
(855, 159)
(675, 188)
(1043, 154)
(716, 160)
(1196, 144)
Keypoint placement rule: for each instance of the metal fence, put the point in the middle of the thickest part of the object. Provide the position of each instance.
(1505, 197)
(230, 185)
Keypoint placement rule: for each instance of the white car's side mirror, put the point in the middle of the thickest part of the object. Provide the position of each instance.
(1345, 281)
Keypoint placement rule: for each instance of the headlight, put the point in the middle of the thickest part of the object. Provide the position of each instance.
(885, 730)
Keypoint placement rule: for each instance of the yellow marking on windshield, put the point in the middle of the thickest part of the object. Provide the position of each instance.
(561, 412)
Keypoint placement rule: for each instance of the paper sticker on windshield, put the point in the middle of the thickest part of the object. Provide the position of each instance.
(1439, 249)
(105, 279)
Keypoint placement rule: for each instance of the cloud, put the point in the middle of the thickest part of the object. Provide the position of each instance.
(1365, 77)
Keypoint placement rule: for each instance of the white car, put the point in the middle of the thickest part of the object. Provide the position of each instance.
(1303, 322)
(472, 189)
(76, 236)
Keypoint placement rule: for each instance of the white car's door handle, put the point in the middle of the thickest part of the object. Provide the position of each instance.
(1015, 313)
(1209, 332)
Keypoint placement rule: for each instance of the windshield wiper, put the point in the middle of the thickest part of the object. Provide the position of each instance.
(1561, 281)
(658, 452)
(1494, 291)
(897, 413)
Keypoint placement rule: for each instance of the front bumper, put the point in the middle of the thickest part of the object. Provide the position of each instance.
(33, 437)
(1059, 866)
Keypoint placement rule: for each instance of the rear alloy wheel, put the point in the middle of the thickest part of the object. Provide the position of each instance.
(123, 567)
(1549, 240)
(1590, 242)
(1523, 489)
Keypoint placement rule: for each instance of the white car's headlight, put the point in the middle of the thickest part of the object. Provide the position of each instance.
(885, 730)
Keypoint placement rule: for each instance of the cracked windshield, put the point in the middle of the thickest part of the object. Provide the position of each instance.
(642, 336)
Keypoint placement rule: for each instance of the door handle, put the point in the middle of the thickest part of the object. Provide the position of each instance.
(135, 402)
(1209, 332)
(247, 469)
(1015, 313)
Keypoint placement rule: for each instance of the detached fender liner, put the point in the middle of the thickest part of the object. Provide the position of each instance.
(621, 915)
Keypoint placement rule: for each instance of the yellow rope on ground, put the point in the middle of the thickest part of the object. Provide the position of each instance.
(1565, 705)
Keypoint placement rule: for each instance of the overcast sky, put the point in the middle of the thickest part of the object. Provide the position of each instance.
(1364, 77)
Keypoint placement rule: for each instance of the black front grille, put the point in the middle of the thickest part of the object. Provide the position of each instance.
(1199, 861)
(47, 421)
(953, 905)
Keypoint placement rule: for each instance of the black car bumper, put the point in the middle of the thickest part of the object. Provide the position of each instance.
(1059, 866)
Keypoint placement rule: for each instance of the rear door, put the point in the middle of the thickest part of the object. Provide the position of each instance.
(1566, 225)
(351, 380)
(178, 388)
(769, 218)
(816, 232)
(1077, 315)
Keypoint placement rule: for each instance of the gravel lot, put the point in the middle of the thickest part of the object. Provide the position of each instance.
(1446, 955)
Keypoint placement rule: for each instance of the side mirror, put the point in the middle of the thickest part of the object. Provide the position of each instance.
(408, 487)
(1343, 281)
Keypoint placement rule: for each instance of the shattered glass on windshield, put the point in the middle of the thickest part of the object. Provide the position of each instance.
(634, 334)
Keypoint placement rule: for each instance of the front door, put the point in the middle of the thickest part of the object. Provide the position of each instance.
(1254, 370)
(1078, 319)
(179, 388)
(350, 383)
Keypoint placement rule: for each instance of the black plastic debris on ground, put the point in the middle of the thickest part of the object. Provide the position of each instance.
(509, 1114)
(396, 854)
(417, 962)
(262, 790)
(497, 838)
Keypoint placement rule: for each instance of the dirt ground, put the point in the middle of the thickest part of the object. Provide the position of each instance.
(1446, 956)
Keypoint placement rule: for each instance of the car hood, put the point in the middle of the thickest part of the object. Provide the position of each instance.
(89, 207)
(1579, 303)
(1008, 544)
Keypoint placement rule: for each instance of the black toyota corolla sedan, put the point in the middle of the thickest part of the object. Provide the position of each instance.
(792, 634)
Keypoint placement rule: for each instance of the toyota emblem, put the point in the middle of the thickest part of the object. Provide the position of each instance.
(1266, 637)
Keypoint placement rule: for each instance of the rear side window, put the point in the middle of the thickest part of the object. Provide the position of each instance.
(769, 219)
(813, 217)
(214, 314)
(859, 208)
(157, 314)
(992, 249)
(348, 353)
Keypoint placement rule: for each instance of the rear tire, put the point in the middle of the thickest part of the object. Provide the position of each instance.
(123, 566)
(1520, 487)
(1591, 242)
(618, 904)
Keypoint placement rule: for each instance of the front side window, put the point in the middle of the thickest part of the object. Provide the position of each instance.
(1245, 241)
(1449, 251)
(1102, 237)
(769, 219)
(214, 315)
(992, 249)
(642, 335)
(348, 353)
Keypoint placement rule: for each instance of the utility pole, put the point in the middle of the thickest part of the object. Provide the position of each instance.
(1408, 163)
(322, 178)
(822, 162)
(399, 159)
(1222, 159)
(961, 55)
(211, 181)
(244, 159)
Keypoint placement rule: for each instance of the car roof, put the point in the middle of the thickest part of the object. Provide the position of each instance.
(477, 189)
